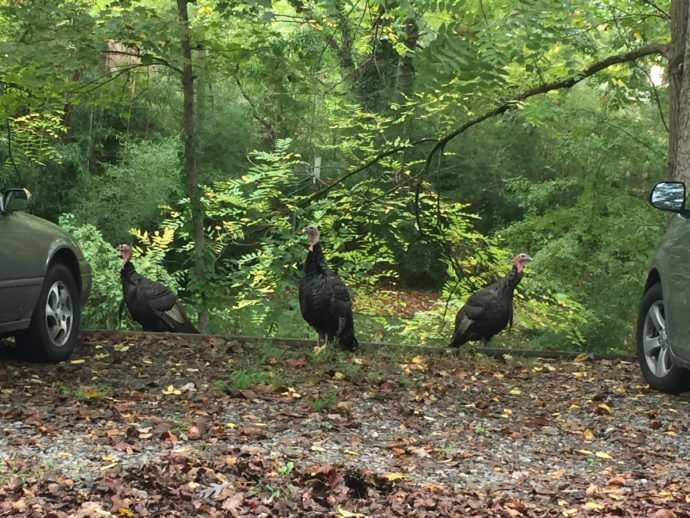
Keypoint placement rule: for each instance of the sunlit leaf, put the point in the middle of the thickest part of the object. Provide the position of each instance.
(396, 476)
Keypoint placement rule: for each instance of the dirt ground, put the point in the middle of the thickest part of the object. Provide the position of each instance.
(170, 426)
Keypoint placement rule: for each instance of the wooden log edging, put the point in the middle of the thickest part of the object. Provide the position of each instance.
(494, 352)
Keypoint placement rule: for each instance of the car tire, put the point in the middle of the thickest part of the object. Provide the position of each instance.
(653, 353)
(54, 327)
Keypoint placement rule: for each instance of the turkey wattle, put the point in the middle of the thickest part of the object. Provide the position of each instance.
(490, 310)
(150, 303)
(323, 297)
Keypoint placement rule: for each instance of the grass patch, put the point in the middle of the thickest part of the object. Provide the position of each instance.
(329, 401)
(85, 392)
(242, 379)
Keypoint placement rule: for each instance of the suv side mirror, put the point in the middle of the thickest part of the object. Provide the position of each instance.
(668, 196)
(15, 199)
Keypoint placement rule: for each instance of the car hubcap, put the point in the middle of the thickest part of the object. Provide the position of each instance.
(59, 313)
(655, 341)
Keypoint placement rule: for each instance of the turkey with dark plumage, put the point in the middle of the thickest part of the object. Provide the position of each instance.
(324, 299)
(490, 310)
(150, 303)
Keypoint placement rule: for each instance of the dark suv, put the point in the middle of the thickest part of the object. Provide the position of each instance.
(44, 281)
(663, 323)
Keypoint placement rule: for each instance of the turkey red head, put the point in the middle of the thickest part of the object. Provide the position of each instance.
(313, 235)
(125, 252)
(520, 260)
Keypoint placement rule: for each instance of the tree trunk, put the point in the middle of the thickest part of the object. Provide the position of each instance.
(191, 165)
(679, 94)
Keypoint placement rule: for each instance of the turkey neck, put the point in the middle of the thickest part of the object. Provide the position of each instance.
(316, 262)
(128, 271)
(512, 279)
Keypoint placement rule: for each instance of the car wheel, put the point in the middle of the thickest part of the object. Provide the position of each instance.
(653, 352)
(52, 334)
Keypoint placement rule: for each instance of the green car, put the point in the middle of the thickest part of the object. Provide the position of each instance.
(44, 281)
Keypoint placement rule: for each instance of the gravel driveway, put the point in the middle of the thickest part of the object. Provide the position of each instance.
(166, 425)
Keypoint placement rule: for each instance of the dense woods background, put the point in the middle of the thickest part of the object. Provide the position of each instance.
(429, 140)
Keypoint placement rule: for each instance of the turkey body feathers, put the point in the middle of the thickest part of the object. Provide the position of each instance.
(487, 312)
(325, 301)
(152, 304)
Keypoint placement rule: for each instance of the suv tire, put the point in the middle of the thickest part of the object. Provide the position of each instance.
(653, 352)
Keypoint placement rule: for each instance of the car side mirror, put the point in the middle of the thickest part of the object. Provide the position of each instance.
(669, 196)
(15, 199)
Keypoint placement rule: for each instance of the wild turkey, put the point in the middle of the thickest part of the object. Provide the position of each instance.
(150, 303)
(323, 297)
(490, 310)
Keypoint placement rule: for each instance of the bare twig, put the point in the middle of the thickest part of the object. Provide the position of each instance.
(663, 13)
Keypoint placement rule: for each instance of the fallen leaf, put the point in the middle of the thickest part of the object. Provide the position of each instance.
(616, 481)
(602, 408)
(603, 455)
(396, 476)
(296, 362)
(171, 390)
(347, 514)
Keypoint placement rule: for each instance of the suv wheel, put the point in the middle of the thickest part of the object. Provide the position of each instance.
(52, 334)
(653, 351)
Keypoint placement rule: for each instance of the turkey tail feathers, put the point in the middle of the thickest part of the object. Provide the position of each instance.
(177, 320)
(347, 335)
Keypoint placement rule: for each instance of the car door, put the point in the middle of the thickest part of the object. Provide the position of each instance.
(22, 265)
(674, 260)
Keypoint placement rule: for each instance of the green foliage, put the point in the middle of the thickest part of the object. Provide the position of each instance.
(101, 311)
(128, 193)
(33, 138)
(286, 468)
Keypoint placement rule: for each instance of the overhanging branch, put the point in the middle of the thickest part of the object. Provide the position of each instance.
(569, 82)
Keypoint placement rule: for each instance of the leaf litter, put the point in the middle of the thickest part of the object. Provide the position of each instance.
(163, 425)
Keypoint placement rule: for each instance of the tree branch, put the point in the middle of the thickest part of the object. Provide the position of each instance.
(361, 168)
(569, 82)
(155, 60)
(663, 13)
(255, 111)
